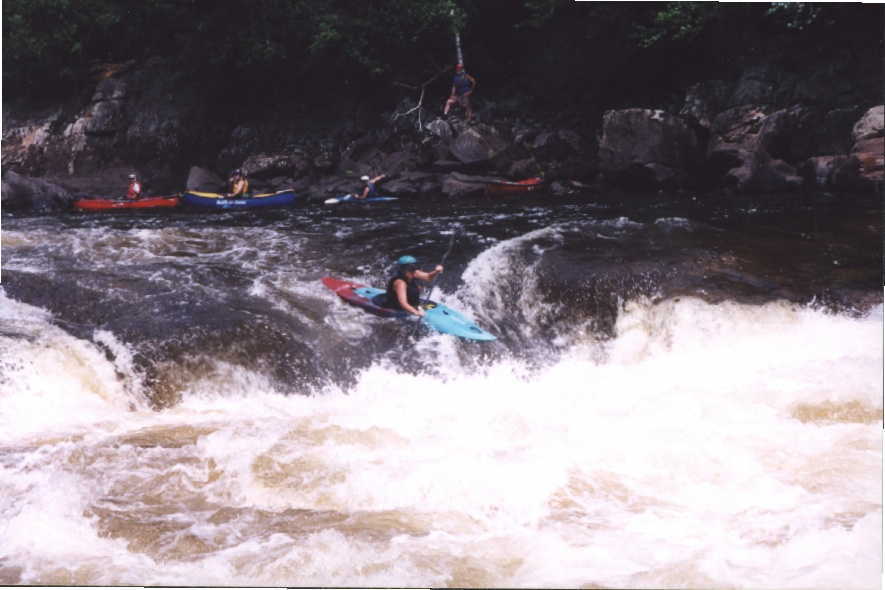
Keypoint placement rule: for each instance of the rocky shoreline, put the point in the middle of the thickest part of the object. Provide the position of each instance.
(764, 132)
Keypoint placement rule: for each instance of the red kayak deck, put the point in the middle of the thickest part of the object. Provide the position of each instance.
(518, 186)
(346, 291)
(108, 204)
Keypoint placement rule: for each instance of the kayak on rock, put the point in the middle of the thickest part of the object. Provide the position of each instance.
(438, 316)
(218, 201)
(110, 204)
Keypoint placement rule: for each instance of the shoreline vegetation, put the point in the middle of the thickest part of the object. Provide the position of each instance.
(774, 97)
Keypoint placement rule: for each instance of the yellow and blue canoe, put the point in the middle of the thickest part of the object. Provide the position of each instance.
(217, 201)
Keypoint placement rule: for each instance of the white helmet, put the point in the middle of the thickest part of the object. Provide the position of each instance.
(365, 178)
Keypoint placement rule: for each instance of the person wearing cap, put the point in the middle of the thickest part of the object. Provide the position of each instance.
(463, 85)
(369, 190)
(134, 190)
(238, 185)
(403, 290)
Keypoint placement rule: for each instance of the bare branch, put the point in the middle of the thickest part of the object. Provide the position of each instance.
(423, 87)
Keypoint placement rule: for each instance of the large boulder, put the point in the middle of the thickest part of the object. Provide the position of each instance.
(738, 152)
(478, 143)
(643, 148)
(461, 185)
(440, 128)
(757, 85)
(201, 179)
(788, 134)
(872, 124)
(22, 193)
(410, 184)
(831, 135)
(293, 164)
(865, 167)
(704, 100)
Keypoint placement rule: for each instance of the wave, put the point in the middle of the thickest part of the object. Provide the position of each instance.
(704, 430)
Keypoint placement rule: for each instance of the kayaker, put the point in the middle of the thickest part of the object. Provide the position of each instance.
(369, 190)
(134, 190)
(239, 186)
(463, 85)
(403, 290)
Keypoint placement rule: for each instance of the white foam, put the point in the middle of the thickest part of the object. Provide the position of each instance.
(49, 378)
(675, 460)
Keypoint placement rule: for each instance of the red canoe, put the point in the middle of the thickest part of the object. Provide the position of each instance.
(107, 204)
(520, 186)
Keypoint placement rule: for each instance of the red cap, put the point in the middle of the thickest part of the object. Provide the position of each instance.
(459, 66)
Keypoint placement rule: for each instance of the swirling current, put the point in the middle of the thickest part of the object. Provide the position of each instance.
(686, 391)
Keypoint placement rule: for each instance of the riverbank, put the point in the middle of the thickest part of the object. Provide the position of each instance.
(758, 133)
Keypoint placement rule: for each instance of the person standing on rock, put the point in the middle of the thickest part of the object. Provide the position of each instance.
(369, 190)
(463, 85)
(134, 190)
(239, 186)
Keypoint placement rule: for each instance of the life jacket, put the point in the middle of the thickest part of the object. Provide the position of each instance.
(372, 192)
(462, 83)
(134, 190)
(240, 188)
(413, 293)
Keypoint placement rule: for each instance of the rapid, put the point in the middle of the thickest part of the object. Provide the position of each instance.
(685, 392)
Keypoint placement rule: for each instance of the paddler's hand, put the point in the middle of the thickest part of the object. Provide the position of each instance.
(420, 313)
(438, 268)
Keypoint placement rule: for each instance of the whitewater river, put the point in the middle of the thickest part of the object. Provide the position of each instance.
(685, 392)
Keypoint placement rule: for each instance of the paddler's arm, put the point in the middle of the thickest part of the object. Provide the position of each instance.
(428, 276)
(472, 85)
(400, 288)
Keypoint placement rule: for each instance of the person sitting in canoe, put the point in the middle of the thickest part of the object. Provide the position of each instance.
(134, 190)
(403, 290)
(238, 186)
(369, 190)
(462, 87)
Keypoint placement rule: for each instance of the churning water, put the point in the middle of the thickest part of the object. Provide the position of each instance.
(676, 399)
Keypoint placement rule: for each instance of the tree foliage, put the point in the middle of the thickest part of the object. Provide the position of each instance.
(548, 48)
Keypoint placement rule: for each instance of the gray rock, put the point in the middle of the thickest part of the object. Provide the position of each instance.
(757, 86)
(870, 156)
(461, 186)
(440, 128)
(477, 144)
(23, 193)
(412, 184)
(556, 145)
(704, 100)
(832, 134)
(819, 170)
(644, 148)
(748, 144)
(524, 168)
(295, 164)
(872, 124)
(201, 179)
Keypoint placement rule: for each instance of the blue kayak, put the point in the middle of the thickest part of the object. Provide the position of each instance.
(436, 315)
(353, 199)
(217, 201)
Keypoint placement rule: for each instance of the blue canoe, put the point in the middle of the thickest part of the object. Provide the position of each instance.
(353, 199)
(217, 201)
(438, 316)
